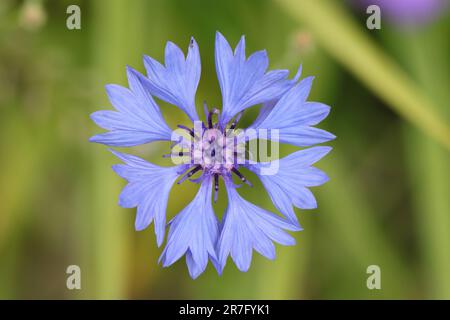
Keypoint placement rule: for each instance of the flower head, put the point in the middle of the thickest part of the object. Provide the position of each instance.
(216, 149)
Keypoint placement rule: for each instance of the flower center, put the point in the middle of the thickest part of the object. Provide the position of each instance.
(211, 149)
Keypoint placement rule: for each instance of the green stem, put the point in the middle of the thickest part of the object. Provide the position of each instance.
(338, 34)
(428, 162)
(114, 40)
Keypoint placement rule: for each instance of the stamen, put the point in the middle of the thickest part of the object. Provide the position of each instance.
(241, 176)
(236, 120)
(175, 143)
(197, 180)
(216, 187)
(234, 149)
(190, 173)
(212, 112)
(214, 169)
(205, 110)
(174, 154)
(191, 132)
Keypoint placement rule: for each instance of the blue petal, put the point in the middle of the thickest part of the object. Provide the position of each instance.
(148, 189)
(177, 81)
(194, 232)
(137, 120)
(287, 187)
(244, 82)
(194, 269)
(246, 227)
(264, 111)
(294, 117)
(303, 136)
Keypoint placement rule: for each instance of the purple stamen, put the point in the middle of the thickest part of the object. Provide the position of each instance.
(190, 173)
(216, 187)
(191, 132)
(208, 168)
(210, 115)
(174, 143)
(174, 154)
(197, 180)
(205, 110)
(236, 120)
(241, 176)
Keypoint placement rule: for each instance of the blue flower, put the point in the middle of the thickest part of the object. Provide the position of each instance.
(214, 149)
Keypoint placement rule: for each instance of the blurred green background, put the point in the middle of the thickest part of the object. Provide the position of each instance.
(387, 202)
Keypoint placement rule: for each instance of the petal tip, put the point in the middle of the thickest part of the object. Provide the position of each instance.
(95, 139)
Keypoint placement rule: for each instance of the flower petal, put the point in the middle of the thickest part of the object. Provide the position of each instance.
(177, 81)
(137, 120)
(287, 187)
(294, 117)
(148, 189)
(246, 227)
(264, 111)
(244, 82)
(194, 232)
